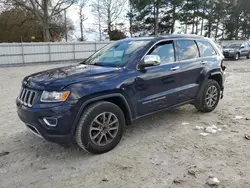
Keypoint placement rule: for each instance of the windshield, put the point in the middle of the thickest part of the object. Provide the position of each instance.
(233, 46)
(116, 54)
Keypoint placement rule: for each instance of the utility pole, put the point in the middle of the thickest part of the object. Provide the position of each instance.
(65, 26)
(130, 18)
(99, 20)
(156, 17)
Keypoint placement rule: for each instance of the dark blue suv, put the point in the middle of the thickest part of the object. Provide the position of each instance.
(91, 102)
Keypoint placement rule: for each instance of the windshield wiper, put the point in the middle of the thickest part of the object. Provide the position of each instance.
(98, 64)
(83, 62)
(104, 65)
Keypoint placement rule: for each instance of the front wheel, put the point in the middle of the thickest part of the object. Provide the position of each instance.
(210, 97)
(237, 57)
(248, 56)
(100, 128)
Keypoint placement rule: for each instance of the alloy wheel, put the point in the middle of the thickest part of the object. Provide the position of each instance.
(104, 128)
(237, 56)
(211, 96)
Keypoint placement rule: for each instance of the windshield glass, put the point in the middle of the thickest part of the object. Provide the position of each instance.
(116, 54)
(233, 46)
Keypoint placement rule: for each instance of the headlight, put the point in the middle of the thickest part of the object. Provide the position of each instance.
(54, 96)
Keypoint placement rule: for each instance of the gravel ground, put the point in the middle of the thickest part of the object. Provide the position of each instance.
(156, 151)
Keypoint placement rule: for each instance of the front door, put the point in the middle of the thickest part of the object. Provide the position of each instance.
(157, 86)
(244, 50)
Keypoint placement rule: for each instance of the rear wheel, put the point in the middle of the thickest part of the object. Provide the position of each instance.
(248, 56)
(210, 97)
(100, 128)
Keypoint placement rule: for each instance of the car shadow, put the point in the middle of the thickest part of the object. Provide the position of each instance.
(39, 148)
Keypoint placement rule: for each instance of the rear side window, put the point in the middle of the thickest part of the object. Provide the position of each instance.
(206, 48)
(187, 49)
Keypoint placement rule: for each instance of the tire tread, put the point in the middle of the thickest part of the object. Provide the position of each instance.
(199, 105)
(86, 113)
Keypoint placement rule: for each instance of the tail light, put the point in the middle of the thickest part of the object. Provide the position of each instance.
(223, 67)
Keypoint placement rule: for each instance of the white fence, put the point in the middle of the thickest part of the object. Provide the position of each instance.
(225, 42)
(16, 53)
(21, 53)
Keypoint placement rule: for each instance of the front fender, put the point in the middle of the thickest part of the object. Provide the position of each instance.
(85, 103)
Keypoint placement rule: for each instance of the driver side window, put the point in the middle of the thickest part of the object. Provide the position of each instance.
(165, 50)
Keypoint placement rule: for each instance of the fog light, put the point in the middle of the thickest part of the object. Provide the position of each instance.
(52, 122)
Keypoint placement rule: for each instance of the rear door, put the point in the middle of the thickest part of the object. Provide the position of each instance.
(192, 61)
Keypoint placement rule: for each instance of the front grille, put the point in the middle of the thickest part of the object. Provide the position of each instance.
(27, 97)
(226, 53)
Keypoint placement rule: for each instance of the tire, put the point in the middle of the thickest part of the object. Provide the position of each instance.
(248, 56)
(237, 57)
(90, 127)
(203, 104)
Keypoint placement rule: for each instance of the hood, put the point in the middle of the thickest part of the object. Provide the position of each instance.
(230, 49)
(57, 79)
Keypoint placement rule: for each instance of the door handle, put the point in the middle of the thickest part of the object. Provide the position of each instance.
(174, 68)
(204, 62)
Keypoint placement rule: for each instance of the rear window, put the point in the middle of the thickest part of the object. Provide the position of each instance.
(206, 49)
(187, 49)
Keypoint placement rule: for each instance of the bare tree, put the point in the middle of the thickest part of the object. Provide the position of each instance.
(44, 11)
(108, 12)
(99, 19)
(96, 5)
(82, 18)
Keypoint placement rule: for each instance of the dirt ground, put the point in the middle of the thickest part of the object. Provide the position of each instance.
(156, 151)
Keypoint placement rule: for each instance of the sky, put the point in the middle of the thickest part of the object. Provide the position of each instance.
(90, 25)
(72, 13)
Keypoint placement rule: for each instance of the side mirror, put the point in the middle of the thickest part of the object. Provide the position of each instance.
(241, 47)
(150, 60)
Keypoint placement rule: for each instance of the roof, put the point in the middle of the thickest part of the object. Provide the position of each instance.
(171, 36)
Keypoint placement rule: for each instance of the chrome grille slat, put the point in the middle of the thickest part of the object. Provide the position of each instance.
(22, 97)
(21, 93)
(27, 97)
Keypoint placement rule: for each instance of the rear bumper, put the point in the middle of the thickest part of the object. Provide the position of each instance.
(222, 94)
(223, 82)
(61, 133)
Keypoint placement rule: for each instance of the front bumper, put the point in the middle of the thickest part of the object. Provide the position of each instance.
(229, 54)
(62, 133)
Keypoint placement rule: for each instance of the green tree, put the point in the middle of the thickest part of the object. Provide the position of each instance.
(44, 11)
(117, 35)
(18, 25)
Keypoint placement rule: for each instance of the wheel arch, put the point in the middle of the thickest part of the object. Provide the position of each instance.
(116, 98)
(217, 76)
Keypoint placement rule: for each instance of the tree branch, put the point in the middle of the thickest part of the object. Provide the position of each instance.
(56, 7)
(28, 8)
(63, 9)
(37, 2)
